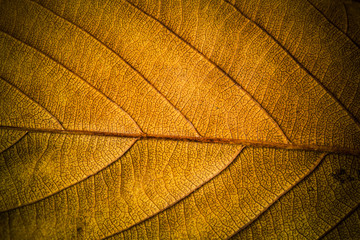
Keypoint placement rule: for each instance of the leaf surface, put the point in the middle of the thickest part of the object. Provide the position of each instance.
(174, 120)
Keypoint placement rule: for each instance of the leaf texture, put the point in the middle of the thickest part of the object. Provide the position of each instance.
(349, 228)
(179, 120)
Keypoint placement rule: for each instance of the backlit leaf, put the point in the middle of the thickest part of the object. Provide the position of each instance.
(179, 119)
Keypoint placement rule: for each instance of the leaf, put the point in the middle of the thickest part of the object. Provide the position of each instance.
(175, 120)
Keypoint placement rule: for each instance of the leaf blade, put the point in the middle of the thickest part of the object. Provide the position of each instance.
(177, 90)
(130, 184)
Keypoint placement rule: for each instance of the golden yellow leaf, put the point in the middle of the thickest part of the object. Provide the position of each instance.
(182, 119)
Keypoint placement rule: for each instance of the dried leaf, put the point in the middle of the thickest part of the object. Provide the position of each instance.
(183, 119)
